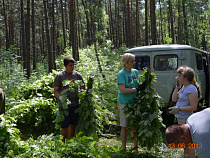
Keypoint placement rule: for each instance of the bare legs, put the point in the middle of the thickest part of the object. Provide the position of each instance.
(71, 131)
(124, 139)
(135, 143)
(68, 132)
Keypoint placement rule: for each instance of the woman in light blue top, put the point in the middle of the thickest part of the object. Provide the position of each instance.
(128, 87)
(185, 98)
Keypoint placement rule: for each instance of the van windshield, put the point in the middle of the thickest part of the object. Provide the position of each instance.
(165, 62)
(141, 62)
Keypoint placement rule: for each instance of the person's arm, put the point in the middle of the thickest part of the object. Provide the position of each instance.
(124, 90)
(193, 103)
(175, 95)
(56, 92)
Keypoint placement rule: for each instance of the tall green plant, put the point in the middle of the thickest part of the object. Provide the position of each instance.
(90, 120)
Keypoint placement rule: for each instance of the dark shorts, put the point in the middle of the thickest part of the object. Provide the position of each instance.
(72, 118)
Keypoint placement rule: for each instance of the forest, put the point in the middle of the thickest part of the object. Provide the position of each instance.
(44, 29)
(36, 35)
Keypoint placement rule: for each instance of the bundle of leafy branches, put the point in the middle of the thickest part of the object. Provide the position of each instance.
(90, 113)
(144, 114)
(62, 108)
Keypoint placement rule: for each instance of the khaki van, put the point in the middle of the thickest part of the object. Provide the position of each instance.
(164, 60)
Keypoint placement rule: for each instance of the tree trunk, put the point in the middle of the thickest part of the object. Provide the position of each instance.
(111, 24)
(43, 39)
(23, 34)
(58, 47)
(146, 23)
(120, 26)
(179, 22)
(80, 29)
(73, 30)
(88, 24)
(138, 33)
(132, 28)
(63, 24)
(28, 44)
(204, 41)
(128, 23)
(185, 22)
(153, 22)
(33, 35)
(160, 24)
(117, 25)
(50, 63)
(66, 15)
(6, 26)
(53, 34)
(124, 32)
(11, 25)
(171, 20)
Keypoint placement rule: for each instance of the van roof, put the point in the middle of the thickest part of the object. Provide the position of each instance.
(163, 47)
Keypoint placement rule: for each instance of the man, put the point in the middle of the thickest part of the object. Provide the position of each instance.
(195, 134)
(70, 122)
(2, 101)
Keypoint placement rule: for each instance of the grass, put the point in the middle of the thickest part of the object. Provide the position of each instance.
(163, 153)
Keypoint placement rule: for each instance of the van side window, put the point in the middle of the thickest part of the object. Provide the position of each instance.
(165, 62)
(199, 61)
(141, 62)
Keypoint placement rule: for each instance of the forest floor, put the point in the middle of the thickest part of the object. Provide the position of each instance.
(165, 151)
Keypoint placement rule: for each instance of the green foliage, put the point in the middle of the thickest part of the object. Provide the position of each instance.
(9, 137)
(90, 113)
(39, 88)
(80, 146)
(31, 109)
(11, 73)
(33, 106)
(61, 109)
(144, 115)
(34, 114)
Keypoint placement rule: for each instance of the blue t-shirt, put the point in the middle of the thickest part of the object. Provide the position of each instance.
(199, 126)
(130, 80)
(184, 101)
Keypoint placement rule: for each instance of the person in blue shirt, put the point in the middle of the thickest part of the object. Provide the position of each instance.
(128, 87)
(195, 134)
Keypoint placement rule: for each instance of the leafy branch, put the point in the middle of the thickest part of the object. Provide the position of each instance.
(62, 108)
(90, 113)
(144, 115)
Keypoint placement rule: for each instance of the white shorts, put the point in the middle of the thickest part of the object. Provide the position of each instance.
(182, 120)
(123, 118)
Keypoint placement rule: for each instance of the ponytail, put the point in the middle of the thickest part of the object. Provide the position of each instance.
(198, 88)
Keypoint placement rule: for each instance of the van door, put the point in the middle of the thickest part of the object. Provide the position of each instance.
(200, 74)
(165, 64)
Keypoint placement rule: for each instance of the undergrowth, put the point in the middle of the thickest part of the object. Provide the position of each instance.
(28, 129)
